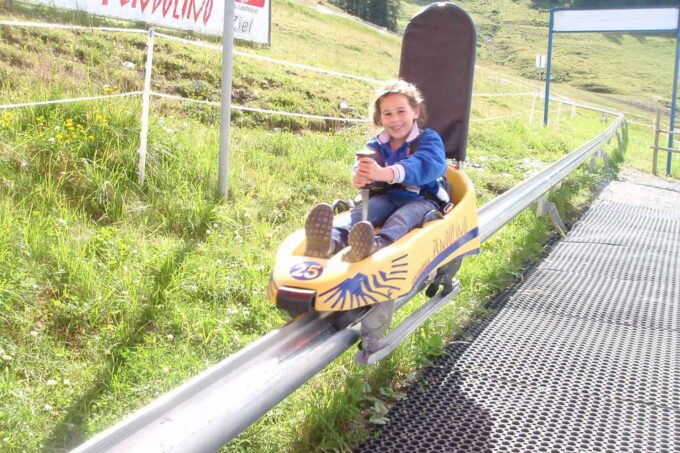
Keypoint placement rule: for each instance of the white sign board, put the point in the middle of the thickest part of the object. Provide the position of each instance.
(540, 61)
(615, 20)
(251, 17)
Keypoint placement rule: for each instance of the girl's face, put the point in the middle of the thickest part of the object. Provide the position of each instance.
(397, 116)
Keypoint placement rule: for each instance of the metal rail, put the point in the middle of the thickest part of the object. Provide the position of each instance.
(502, 209)
(209, 410)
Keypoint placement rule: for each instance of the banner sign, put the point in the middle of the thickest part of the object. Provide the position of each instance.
(616, 20)
(251, 17)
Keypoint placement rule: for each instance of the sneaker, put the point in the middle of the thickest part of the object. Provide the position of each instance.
(361, 241)
(318, 229)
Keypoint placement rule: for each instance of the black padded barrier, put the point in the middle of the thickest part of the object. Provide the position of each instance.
(582, 356)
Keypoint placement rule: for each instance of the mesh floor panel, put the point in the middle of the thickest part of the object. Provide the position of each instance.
(581, 356)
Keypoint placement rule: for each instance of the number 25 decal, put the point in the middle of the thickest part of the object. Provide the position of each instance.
(306, 270)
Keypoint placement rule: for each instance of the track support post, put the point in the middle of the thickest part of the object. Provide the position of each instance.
(543, 207)
(381, 347)
(605, 159)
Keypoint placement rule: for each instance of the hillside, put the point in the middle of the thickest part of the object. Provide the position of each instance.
(112, 292)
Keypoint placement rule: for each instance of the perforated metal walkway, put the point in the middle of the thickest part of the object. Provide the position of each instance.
(582, 356)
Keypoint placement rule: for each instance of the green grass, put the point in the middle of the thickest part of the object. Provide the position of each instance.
(112, 293)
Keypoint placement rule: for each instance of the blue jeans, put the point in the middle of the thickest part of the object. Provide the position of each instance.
(396, 216)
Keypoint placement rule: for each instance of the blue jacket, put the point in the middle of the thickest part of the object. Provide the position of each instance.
(420, 169)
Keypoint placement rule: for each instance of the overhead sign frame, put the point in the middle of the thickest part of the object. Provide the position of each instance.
(616, 20)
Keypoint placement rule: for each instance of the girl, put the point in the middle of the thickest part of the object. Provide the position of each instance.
(410, 177)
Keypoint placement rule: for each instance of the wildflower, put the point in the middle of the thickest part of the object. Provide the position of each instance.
(91, 137)
(47, 407)
(51, 382)
(7, 120)
(67, 383)
(52, 140)
(34, 333)
(59, 136)
(166, 370)
(7, 357)
(170, 336)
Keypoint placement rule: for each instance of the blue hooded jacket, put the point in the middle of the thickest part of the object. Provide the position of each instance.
(420, 169)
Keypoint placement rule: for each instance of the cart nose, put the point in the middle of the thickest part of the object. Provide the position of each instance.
(295, 300)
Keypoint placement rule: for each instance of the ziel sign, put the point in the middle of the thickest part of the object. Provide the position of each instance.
(251, 17)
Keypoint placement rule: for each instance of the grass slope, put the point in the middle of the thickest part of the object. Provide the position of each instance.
(112, 293)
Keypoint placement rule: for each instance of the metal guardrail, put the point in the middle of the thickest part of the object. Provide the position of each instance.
(502, 209)
(207, 411)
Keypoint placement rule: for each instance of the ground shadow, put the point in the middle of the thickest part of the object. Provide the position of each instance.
(71, 430)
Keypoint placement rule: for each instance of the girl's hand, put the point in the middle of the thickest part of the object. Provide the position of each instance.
(359, 181)
(370, 170)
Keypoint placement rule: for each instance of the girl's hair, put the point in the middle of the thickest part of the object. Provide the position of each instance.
(415, 99)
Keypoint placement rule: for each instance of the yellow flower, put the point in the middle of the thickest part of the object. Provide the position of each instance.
(91, 137)
(59, 136)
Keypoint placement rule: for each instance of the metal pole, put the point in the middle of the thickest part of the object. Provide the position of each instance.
(227, 59)
(657, 131)
(669, 158)
(549, 68)
(365, 191)
(146, 101)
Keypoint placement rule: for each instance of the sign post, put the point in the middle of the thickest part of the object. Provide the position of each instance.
(548, 70)
(227, 59)
(669, 157)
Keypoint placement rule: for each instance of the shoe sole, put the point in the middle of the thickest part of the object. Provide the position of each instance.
(318, 229)
(361, 240)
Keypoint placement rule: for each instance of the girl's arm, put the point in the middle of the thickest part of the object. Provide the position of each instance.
(426, 164)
